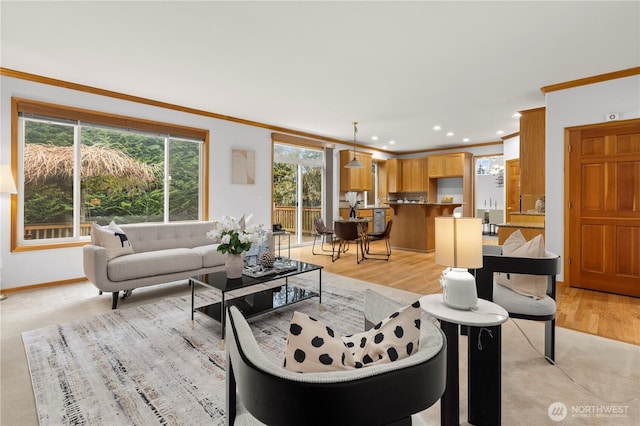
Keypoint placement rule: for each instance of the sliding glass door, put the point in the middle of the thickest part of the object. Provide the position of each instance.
(298, 176)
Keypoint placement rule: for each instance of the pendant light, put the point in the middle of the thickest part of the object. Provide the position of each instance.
(354, 164)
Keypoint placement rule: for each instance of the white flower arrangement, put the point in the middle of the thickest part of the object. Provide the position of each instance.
(352, 198)
(235, 236)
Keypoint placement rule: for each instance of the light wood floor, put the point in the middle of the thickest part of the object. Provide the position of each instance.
(608, 315)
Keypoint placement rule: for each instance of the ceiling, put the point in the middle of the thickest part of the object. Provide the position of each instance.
(399, 68)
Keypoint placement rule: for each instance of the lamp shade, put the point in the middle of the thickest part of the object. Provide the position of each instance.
(7, 184)
(459, 242)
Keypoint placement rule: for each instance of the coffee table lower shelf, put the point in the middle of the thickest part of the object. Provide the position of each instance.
(258, 303)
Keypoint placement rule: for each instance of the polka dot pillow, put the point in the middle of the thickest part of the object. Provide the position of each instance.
(393, 338)
(314, 347)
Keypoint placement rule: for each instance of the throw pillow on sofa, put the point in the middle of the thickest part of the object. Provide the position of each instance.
(313, 346)
(112, 238)
(528, 285)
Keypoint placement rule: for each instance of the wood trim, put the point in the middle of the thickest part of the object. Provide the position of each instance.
(509, 136)
(615, 123)
(81, 114)
(565, 208)
(43, 285)
(590, 80)
(532, 110)
(296, 140)
(452, 148)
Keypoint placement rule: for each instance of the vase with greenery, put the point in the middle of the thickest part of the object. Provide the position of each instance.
(235, 237)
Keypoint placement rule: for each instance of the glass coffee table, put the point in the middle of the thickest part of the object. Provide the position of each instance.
(254, 295)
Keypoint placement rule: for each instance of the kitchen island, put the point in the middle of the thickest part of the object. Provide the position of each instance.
(414, 224)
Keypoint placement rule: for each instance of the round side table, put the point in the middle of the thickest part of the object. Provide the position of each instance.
(484, 359)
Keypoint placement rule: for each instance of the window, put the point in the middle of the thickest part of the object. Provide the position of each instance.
(77, 167)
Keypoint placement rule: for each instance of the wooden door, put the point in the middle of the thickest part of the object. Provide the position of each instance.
(512, 187)
(604, 207)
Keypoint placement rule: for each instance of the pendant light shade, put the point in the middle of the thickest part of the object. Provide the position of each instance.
(354, 164)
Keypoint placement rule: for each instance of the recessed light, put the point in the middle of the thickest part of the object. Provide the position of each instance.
(450, 134)
(499, 132)
(374, 138)
(516, 115)
(392, 142)
(436, 128)
(465, 140)
(384, 147)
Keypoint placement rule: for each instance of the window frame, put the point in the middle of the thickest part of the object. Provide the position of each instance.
(26, 106)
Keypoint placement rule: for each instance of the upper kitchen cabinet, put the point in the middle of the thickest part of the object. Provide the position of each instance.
(355, 179)
(394, 175)
(532, 152)
(448, 165)
(414, 175)
(456, 165)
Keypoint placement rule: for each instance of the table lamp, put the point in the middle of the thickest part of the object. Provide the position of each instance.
(459, 246)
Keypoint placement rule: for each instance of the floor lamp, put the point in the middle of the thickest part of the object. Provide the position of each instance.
(7, 186)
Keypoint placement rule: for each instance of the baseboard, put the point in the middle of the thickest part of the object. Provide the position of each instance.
(41, 285)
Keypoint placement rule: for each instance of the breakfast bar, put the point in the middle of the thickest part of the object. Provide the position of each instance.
(414, 224)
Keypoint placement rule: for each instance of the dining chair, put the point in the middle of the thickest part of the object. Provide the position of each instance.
(346, 232)
(377, 236)
(323, 232)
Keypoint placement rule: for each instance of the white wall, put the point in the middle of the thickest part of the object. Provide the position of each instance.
(42, 266)
(511, 148)
(573, 107)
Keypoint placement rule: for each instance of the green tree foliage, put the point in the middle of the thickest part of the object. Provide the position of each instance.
(105, 198)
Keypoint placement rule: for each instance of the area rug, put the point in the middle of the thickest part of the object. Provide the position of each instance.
(149, 365)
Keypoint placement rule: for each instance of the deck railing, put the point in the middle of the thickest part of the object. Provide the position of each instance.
(286, 216)
(283, 215)
(44, 231)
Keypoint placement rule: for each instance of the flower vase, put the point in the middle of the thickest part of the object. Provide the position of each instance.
(234, 265)
(352, 213)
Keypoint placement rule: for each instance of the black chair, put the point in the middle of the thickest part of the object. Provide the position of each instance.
(385, 394)
(344, 233)
(322, 232)
(376, 236)
(517, 305)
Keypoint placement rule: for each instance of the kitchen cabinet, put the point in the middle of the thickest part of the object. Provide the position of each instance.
(447, 165)
(414, 178)
(455, 165)
(355, 179)
(532, 153)
(394, 177)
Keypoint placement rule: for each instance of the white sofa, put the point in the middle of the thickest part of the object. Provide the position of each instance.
(161, 253)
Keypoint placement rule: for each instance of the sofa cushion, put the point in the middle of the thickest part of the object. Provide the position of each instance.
(155, 236)
(210, 255)
(149, 264)
(514, 302)
(312, 346)
(112, 238)
(528, 285)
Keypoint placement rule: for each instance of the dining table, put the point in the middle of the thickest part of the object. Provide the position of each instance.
(347, 230)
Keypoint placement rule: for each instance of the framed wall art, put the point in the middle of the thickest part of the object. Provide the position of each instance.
(243, 166)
